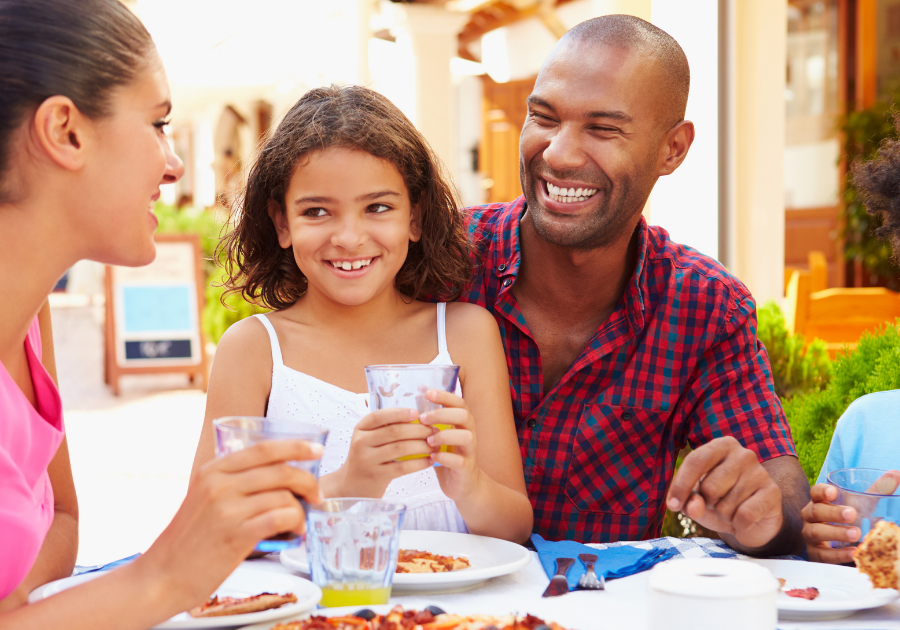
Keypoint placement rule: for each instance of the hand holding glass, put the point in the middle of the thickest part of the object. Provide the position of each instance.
(235, 433)
(873, 493)
(405, 386)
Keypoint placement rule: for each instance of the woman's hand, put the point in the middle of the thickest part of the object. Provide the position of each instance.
(459, 474)
(232, 503)
(379, 440)
(821, 526)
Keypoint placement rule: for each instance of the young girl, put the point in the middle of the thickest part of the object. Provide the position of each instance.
(83, 106)
(345, 223)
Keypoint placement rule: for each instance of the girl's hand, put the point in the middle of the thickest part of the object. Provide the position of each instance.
(232, 503)
(458, 473)
(379, 440)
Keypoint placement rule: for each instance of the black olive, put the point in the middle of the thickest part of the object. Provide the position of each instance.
(434, 610)
(492, 628)
(369, 615)
(543, 626)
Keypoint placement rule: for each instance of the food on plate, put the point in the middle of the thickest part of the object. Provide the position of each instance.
(413, 561)
(878, 555)
(431, 618)
(221, 606)
(803, 593)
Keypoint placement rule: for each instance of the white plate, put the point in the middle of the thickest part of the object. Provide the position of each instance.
(489, 558)
(244, 582)
(842, 590)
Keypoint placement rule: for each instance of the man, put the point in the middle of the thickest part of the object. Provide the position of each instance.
(622, 346)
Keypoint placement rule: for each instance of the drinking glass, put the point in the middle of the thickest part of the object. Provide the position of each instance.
(873, 493)
(392, 386)
(235, 433)
(352, 545)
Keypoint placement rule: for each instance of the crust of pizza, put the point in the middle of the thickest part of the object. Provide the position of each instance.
(222, 606)
(400, 619)
(878, 555)
(413, 561)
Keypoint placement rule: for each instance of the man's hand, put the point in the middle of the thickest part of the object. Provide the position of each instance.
(722, 486)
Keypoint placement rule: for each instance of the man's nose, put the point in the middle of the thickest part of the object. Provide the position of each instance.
(174, 166)
(564, 151)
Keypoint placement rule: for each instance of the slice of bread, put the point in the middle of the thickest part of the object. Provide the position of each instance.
(878, 555)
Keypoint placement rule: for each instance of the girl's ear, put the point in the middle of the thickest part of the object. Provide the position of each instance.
(279, 220)
(415, 226)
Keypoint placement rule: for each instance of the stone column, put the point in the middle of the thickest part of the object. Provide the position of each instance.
(430, 35)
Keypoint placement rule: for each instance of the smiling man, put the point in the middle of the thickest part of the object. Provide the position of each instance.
(624, 347)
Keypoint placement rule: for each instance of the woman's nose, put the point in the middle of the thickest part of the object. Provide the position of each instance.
(174, 166)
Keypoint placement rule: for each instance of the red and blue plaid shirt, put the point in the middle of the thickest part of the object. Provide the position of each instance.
(677, 363)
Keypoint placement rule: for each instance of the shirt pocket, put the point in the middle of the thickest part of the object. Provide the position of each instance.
(613, 459)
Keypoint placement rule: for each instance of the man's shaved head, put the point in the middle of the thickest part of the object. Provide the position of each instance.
(637, 35)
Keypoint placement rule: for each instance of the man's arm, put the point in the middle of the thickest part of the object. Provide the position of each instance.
(742, 479)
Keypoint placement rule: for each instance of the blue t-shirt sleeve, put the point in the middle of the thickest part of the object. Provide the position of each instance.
(866, 436)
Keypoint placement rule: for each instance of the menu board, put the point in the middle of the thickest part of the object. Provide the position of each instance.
(153, 313)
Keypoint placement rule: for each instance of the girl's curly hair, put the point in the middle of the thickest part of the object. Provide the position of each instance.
(879, 182)
(440, 264)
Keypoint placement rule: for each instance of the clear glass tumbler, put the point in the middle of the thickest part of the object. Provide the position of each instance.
(392, 386)
(873, 493)
(352, 545)
(235, 433)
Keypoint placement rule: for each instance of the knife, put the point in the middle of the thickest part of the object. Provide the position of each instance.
(558, 583)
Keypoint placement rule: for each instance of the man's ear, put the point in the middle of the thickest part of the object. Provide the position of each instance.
(60, 131)
(279, 219)
(415, 224)
(675, 147)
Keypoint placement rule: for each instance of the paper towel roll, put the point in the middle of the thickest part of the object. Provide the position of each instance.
(711, 594)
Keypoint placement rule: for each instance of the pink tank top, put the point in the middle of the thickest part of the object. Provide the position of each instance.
(28, 441)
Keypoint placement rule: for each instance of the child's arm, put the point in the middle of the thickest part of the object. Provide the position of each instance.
(239, 383)
(486, 481)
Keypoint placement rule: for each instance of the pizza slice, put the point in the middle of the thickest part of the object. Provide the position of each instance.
(400, 619)
(878, 555)
(221, 606)
(413, 561)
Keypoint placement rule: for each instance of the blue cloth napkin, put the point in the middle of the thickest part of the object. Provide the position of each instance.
(615, 562)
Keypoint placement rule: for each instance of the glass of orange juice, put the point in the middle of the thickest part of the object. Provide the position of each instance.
(392, 386)
(352, 545)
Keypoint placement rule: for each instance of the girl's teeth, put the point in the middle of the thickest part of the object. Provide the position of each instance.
(347, 266)
(357, 264)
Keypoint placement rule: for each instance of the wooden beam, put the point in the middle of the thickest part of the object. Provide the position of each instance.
(866, 53)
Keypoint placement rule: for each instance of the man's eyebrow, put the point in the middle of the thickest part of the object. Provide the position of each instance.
(367, 197)
(613, 115)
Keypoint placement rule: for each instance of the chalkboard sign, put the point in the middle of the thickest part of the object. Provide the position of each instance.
(153, 314)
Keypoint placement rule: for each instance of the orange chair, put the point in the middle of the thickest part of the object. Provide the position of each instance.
(836, 316)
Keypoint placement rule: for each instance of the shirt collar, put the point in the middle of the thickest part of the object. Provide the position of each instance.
(507, 260)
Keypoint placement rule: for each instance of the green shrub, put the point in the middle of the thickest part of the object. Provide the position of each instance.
(874, 366)
(796, 368)
(218, 317)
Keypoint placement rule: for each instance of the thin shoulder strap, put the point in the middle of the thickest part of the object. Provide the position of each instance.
(273, 339)
(442, 328)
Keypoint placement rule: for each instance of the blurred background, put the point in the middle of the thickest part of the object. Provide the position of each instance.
(785, 94)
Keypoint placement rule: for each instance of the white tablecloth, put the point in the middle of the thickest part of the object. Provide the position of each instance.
(622, 605)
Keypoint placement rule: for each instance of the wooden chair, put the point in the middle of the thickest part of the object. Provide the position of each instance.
(818, 267)
(836, 316)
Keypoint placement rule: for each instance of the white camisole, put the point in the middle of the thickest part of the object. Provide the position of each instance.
(299, 396)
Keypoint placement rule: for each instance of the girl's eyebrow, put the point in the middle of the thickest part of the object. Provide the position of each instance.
(366, 197)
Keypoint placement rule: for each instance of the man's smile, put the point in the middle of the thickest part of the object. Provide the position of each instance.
(566, 197)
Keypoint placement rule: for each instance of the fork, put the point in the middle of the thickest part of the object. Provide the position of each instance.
(589, 580)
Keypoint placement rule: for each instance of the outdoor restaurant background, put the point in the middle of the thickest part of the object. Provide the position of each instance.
(784, 94)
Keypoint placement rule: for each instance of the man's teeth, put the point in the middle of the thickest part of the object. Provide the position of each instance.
(347, 265)
(569, 195)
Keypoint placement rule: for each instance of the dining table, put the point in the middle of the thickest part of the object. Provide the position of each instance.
(623, 604)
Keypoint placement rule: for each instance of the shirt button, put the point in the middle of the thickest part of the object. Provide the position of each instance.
(507, 282)
(627, 415)
(531, 422)
(502, 267)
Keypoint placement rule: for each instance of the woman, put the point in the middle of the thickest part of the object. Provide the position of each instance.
(83, 106)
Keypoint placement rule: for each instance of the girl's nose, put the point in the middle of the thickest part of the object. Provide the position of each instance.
(174, 166)
(350, 235)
